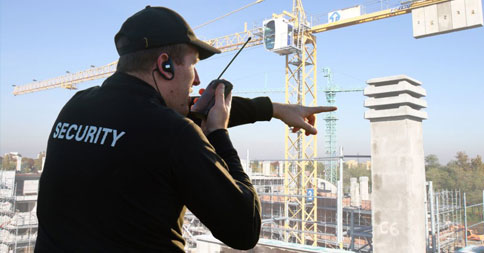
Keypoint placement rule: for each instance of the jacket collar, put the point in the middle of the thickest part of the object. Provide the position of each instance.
(133, 85)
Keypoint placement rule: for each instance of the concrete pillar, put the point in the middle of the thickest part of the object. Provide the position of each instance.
(354, 192)
(281, 169)
(397, 159)
(266, 168)
(356, 201)
(364, 188)
(353, 183)
(19, 162)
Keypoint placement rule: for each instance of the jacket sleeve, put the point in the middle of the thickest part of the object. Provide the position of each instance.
(213, 185)
(246, 111)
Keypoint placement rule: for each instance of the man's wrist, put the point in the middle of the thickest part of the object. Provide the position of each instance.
(276, 110)
(209, 131)
(220, 139)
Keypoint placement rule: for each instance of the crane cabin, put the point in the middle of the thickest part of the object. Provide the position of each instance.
(279, 36)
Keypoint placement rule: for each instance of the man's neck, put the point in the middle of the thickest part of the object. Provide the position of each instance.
(147, 78)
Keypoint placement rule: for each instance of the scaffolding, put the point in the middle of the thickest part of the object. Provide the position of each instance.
(18, 219)
(447, 218)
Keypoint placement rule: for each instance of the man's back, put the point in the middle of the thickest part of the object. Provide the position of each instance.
(107, 181)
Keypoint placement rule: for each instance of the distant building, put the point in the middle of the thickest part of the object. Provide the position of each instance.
(368, 165)
(350, 164)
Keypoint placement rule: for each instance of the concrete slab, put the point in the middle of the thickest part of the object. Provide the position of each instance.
(393, 102)
(392, 80)
(397, 113)
(394, 89)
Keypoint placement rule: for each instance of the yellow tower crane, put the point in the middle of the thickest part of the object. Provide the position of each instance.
(291, 35)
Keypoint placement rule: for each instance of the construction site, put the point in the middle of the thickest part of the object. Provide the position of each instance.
(306, 206)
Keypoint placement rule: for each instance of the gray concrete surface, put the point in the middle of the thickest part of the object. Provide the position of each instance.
(397, 158)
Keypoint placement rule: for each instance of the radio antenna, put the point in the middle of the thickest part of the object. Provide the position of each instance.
(234, 57)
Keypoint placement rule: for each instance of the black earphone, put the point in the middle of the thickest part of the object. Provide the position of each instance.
(166, 66)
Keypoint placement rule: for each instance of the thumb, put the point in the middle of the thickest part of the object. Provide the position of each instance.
(309, 129)
(219, 95)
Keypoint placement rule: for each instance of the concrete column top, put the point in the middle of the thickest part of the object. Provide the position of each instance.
(394, 89)
(395, 97)
(391, 80)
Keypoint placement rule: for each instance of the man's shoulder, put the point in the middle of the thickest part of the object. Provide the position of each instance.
(163, 116)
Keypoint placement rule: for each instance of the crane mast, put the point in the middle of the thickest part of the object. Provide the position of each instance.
(300, 177)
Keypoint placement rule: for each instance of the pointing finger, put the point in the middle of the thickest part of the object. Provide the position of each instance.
(319, 109)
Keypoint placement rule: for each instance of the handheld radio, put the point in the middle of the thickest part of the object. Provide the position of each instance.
(203, 105)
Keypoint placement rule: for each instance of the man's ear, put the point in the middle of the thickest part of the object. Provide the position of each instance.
(165, 66)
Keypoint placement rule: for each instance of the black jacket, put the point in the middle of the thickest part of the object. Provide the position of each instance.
(121, 169)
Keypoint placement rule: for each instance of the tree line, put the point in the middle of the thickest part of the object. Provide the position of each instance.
(464, 173)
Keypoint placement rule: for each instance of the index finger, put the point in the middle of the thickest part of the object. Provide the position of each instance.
(319, 109)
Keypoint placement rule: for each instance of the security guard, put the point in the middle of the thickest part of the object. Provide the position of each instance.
(124, 162)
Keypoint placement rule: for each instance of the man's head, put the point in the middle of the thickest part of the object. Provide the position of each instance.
(156, 27)
(157, 44)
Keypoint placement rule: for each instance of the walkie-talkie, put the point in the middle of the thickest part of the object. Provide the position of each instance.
(203, 105)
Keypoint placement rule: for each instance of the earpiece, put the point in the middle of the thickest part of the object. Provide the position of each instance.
(166, 66)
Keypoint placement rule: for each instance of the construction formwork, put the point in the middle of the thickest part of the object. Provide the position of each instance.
(351, 230)
(356, 221)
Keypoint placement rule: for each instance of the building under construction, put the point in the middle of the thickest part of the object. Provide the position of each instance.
(18, 214)
(445, 224)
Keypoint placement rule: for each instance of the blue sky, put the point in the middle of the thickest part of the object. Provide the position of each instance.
(44, 39)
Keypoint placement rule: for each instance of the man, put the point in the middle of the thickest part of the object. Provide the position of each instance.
(124, 162)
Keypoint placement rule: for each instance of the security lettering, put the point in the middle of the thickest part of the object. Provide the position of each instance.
(88, 134)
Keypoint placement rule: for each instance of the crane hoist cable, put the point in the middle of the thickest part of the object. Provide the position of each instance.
(228, 14)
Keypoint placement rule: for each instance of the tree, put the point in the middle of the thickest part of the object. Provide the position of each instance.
(357, 172)
(5, 162)
(8, 163)
(431, 161)
(462, 173)
(462, 161)
(477, 164)
(320, 170)
(27, 165)
(255, 167)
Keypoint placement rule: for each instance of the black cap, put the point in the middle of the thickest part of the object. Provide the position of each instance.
(155, 27)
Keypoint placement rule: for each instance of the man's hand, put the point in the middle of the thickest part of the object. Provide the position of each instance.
(218, 116)
(298, 116)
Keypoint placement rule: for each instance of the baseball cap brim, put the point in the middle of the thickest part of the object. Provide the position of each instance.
(204, 49)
